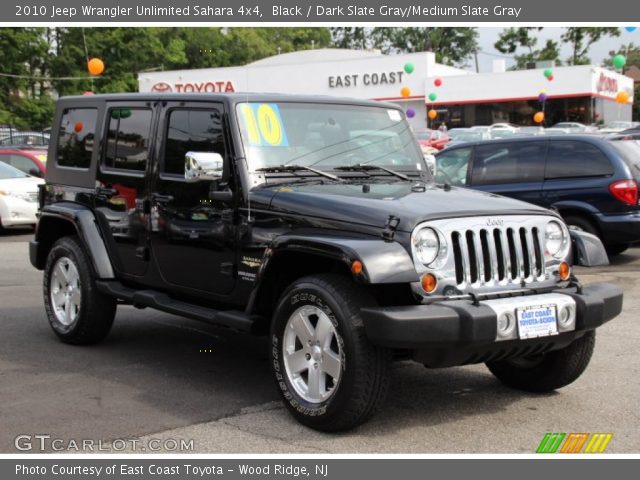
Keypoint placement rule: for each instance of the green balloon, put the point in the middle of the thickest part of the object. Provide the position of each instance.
(548, 72)
(619, 61)
(408, 67)
(432, 97)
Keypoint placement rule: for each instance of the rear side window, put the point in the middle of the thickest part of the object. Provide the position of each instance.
(574, 159)
(518, 162)
(452, 166)
(76, 137)
(23, 164)
(191, 130)
(629, 150)
(127, 142)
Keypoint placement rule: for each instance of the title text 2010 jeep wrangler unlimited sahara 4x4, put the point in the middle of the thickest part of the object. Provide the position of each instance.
(314, 220)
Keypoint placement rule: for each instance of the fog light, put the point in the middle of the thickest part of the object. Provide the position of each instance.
(429, 282)
(564, 270)
(565, 317)
(506, 324)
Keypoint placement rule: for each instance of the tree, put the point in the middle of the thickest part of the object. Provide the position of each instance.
(581, 38)
(632, 54)
(452, 45)
(512, 39)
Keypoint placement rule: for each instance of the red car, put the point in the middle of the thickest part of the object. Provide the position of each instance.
(30, 161)
(432, 138)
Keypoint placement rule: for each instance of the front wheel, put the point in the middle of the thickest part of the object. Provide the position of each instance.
(330, 376)
(548, 371)
(78, 313)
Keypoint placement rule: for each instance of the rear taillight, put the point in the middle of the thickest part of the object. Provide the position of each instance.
(626, 191)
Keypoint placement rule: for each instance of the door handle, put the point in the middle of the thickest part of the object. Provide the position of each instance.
(159, 198)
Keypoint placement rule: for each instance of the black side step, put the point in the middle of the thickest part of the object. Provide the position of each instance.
(233, 319)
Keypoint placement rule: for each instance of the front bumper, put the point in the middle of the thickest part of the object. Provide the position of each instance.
(456, 331)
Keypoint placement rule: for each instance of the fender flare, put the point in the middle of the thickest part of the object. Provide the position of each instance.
(84, 221)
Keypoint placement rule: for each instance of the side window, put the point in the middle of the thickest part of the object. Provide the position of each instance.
(23, 164)
(191, 130)
(452, 166)
(567, 159)
(520, 162)
(127, 140)
(76, 137)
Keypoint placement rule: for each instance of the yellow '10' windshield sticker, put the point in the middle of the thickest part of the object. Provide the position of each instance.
(263, 124)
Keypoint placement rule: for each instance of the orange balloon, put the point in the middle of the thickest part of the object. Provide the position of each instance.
(78, 127)
(95, 66)
(622, 97)
(432, 114)
(405, 92)
(538, 117)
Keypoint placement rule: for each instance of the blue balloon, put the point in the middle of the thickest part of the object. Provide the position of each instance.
(630, 29)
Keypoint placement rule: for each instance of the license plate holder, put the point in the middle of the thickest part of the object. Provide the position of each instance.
(536, 321)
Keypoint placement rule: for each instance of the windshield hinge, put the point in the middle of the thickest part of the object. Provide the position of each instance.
(390, 228)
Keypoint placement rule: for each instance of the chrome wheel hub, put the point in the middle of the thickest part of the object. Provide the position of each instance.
(65, 291)
(312, 354)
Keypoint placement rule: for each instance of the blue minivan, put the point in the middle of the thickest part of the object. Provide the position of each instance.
(592, 182)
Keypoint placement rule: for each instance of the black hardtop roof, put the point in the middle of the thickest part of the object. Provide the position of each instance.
(237, 97)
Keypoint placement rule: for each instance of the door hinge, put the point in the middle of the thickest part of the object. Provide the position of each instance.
(390, 228)
(227, 268)
(143, 253)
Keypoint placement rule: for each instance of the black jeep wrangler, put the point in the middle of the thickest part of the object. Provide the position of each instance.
(316, 221)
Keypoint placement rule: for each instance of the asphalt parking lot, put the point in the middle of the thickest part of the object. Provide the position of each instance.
(158, 376)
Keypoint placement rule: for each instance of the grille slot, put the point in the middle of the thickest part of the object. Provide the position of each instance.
(506, 255)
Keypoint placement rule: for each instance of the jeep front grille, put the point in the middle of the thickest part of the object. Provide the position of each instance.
(490, 255)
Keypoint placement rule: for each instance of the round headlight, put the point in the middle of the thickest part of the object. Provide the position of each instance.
(555, 239)
(426, 245)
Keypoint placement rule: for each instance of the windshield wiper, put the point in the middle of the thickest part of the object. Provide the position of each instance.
(366, 168)
(298, 168)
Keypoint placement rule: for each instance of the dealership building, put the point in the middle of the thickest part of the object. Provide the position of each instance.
(583, 93)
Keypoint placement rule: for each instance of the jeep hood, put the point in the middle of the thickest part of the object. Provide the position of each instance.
(372, 204)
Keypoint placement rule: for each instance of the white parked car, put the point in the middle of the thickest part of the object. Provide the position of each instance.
(18, 197)
(504, 126)
(615, 127)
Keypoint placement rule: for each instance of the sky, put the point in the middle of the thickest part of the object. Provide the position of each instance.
(487, 36)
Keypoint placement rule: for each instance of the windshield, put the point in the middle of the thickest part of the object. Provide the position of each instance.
(326, 136)
(7, 171)
(465, 135)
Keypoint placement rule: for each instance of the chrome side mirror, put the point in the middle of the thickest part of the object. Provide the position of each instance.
(202, 166)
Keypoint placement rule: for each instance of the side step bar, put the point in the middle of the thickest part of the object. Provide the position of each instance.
(233, 319)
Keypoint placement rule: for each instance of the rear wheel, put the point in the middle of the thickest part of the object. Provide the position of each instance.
(577, 222)
(78, 313)
(330, 376)
(549, 371)
(616, 248)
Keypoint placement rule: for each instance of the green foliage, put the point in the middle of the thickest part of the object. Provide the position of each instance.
(452, 45)
(581, 38)
(513, 39)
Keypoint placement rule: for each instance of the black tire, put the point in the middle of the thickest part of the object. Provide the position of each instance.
(363, 382)
(616, 248)
(549, 371)
(94, 317)
(581, 223)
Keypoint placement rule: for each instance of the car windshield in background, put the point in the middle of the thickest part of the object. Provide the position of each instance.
(465, 135)
(7, 171)
(630, 152)
(326, 136)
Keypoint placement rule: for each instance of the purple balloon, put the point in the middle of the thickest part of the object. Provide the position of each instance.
(411, 112)
(542, 97)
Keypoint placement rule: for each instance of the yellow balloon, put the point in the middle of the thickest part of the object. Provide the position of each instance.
(538, 117)
(622, 97)
(432, 114)
(95, 66)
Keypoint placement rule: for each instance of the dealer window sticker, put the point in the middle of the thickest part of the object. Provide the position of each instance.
(264, 125)
(394, 115)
